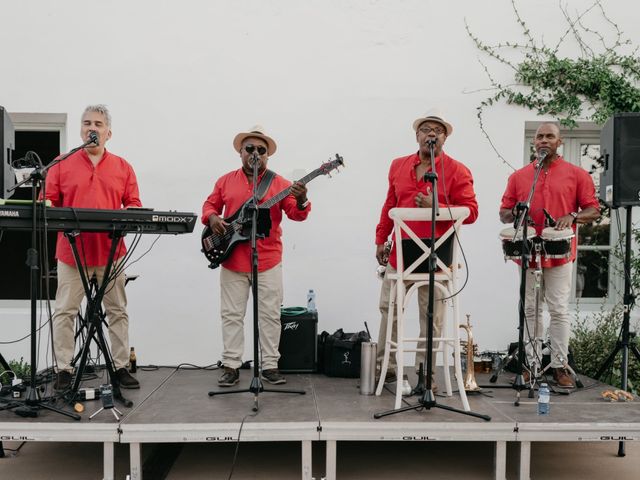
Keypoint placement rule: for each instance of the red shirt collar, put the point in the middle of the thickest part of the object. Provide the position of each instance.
(438, 159)
(85, 155)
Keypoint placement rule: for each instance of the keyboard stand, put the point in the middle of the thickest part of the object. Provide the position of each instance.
(94, 316)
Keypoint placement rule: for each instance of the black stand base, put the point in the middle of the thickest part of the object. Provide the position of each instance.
(33, 404)
(256, 387)
(428, 401)
(519, 382)
(620, 347)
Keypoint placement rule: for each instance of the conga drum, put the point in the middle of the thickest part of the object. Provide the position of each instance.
(557, 243)
(512, 248)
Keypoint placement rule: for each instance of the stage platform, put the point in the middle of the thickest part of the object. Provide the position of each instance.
(173, 406)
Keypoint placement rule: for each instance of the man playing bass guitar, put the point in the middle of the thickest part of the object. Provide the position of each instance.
(230, 193)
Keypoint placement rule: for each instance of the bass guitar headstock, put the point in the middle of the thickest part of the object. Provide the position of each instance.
(331, 165)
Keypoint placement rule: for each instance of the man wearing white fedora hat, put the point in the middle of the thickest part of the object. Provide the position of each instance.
(230, 192)
(408, 189)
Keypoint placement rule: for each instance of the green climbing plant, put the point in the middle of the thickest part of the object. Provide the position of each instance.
(598, 81)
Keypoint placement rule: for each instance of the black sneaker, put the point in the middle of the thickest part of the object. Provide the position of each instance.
(229, 378)
(125, 379)
(63, 381)
(273, 376)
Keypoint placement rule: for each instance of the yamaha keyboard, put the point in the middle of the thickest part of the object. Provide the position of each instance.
(66, 219)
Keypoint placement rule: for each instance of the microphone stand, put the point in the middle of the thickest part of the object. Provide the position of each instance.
(33, 402)
(256, 385)
(522, 221)
(428, 399)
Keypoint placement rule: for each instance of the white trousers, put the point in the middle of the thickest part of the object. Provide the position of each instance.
(555, 291)
(423, 304)
(69, 296)
(234, 293)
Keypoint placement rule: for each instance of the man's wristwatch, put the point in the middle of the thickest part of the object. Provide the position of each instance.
(575, 216)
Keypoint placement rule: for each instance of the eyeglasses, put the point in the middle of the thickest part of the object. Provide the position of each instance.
(251, 148)
(427, 130)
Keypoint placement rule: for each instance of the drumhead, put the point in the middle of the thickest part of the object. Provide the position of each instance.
(550, 233)
(509, 232)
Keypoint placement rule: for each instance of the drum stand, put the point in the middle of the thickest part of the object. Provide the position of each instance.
(535, 343)
(535, 363)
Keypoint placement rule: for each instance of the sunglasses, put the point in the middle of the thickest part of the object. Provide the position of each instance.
(252, 148)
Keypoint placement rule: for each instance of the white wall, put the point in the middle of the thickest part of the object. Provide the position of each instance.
(182, 78)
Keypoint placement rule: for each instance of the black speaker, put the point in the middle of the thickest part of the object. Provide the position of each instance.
(298, 345)
(620, 150)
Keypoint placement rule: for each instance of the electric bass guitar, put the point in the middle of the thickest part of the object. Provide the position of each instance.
(218, 247)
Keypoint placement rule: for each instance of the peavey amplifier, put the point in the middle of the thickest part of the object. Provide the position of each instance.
(298, 346)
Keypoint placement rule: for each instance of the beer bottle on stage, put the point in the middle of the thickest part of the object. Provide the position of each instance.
(311, 301)
(133, 362)
(543, 399)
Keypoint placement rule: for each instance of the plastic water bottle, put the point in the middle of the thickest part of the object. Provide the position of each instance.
(543, 399)
(311, 301)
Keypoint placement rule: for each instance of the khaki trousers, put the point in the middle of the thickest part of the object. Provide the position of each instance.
(69, 296)
(423, 303)
(556, 292)
(234, 294)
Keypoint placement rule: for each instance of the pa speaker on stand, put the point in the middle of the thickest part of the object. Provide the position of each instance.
(620, 150)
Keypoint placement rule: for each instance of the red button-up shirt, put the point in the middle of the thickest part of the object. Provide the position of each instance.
(455, 189)
(560, 190)
(76, 182)
(230, 192)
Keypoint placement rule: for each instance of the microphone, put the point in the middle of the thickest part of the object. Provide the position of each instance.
(550, 220)
(542, 154)
(93, 136)
(252, 150)
(431, 142)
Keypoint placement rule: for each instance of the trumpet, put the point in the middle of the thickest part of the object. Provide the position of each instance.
(469, 349)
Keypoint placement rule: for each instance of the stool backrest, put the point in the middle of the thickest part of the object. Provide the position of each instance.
(400, 216)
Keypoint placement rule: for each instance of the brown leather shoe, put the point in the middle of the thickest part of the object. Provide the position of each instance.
(562, 378)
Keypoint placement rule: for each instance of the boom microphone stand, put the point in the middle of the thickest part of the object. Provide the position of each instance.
(428, 399)
(522, 221)
(256, 383)
(624, 343)
(33, 402)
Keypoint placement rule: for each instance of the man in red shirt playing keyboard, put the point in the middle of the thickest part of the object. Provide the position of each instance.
(91, 178)
(230, 192)
(567, 193)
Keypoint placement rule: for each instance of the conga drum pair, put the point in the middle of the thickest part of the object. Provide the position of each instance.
(555, 243)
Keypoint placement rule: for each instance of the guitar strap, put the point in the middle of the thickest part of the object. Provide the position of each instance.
(266, 180)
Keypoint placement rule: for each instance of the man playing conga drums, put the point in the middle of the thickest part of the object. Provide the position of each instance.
(567, 193)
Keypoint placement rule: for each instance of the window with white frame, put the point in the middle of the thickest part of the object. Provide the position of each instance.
(595, 277)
